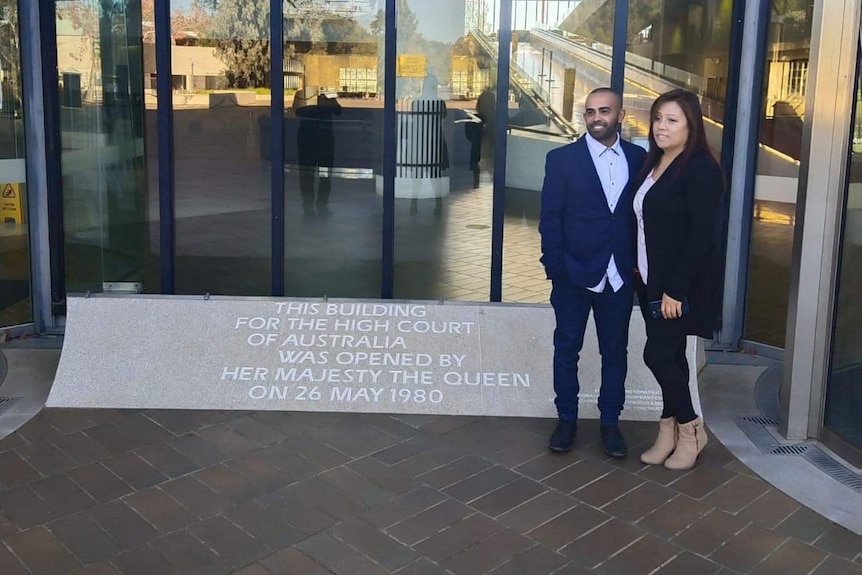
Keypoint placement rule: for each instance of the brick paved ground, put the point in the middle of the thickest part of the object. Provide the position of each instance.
(163, 492)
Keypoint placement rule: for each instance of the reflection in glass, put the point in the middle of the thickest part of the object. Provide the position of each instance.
(784, 93)
(446, 101)
(15, 305)
(220, 76)
(333, 124)
(104, 188)
(559, 55)
(678, 45)
(844, 393)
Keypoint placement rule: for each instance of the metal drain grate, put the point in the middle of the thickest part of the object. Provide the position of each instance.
(755, 429)
(758, 420)
(834, 469)
(6, 403)
(795, 449)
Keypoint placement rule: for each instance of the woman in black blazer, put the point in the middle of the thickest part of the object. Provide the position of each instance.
(678, 213)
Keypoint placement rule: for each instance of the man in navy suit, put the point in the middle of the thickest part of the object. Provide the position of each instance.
(588, 254)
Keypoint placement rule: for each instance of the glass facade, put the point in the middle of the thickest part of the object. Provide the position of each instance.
(101, 116)
(777, 179)
(844, 391)
(15, 305)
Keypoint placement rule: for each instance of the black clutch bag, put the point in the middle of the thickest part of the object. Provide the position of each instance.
(655, 308)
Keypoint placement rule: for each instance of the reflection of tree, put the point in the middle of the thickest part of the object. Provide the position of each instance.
(10, 62)
(196, 20)
(795, 19)
(241, 28)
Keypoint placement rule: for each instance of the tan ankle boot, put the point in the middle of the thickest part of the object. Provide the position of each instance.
(664, 443)
(691, 441)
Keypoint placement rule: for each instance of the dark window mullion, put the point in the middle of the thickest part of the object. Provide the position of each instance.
(165, 115)
(618, 58)
(277, 142)
(389, 150)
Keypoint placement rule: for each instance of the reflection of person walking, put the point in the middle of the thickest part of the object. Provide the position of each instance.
(316, 146)
(486, 109)
(588, 253)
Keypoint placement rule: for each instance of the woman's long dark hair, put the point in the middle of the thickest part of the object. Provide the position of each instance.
(696, 142)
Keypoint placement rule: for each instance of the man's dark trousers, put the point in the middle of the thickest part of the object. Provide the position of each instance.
(612, 312)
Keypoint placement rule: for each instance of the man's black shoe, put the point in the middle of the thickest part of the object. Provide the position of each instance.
(613, 441)
(563, 436)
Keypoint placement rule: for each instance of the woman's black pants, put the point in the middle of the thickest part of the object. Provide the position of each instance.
(665, 357)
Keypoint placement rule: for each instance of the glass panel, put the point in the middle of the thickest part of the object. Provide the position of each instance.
(220, 62)
(677, 45)
(15, 305)
(777, 178)
(333, 76)
(844, 393)
(447, 70)
(559, 54)
(104, 180)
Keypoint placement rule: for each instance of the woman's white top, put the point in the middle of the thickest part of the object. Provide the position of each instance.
(643, 267)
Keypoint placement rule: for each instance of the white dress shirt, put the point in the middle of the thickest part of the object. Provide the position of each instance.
(643, 264)
(613, 170)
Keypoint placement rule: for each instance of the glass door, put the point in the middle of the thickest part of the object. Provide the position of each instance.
(15, 305)
(843, 414)
(104, 187)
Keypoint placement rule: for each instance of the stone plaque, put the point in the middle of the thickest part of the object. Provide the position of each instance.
(159, 352)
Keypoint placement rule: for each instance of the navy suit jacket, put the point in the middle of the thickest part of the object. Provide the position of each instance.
(579, 231)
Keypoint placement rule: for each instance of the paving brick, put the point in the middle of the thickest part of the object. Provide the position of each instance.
(480, 484)
(166, 460)
(596, 546)
(38, 429)
(229, 541)
(45, 458)
(9, 564)
(338, 557)
(805, 525)
(285, 423)
(841, 541)
(672, 517)
(227, 440)
(536, 560)
(356, 487)
(113, 437)
(293, 466)
(198, 450)
(834, 565)
(428, 460)
(189, 556)
(196, 497)
(99, 482)
(41, 552)
(144, 430)
(561, 530)
(549, 464)
(402, 451)
(738, 493)
(62, 496)
(353, 438)
(304, 514)
(640, 502)
(84, 538)
(100, 568)
(175, 421)
(388, 425)
(488, 553)
(428, 522)
(791, 558)
(254, 430)
(257, 470)
(135, 471)
(271, 529)
(15, 471)
(644, 556)
(160, 510)
(322, 456)
(747, 548)
(6, 526)
(687, 563)
(519, 452)
(387, 477)
(458, 537)
(770, 509)
(455, 471)
(400, 508)
(423, 567)
(508, 497)
(707, 533)
(293, 562)
(228, 483)
(537, 511)
(613, 485)
(23, 507)
(702, 480)
(329, 499)
(374, 544)
(123, 524)
(254, 569)
(578, 475)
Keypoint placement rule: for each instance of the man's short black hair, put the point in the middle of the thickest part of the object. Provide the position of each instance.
(606, 90)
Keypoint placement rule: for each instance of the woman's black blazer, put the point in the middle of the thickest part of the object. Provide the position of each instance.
(682, 226)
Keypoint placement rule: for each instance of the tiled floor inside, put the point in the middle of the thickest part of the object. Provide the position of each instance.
(158, 492)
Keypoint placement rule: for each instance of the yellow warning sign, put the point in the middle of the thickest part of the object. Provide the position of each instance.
(11, 207)
(412, 65)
